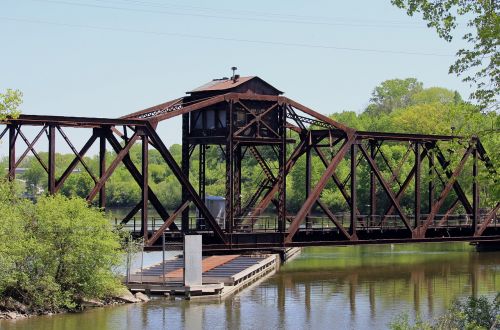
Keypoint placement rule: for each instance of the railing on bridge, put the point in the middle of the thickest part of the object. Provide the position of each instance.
(268, 224)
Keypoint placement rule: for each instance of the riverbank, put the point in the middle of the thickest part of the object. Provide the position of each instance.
(11, 309)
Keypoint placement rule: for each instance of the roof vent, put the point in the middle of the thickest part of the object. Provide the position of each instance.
(235, 76)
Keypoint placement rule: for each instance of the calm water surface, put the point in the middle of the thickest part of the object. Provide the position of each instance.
(361, 287)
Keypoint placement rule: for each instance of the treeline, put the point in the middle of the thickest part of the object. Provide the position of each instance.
(398, 105)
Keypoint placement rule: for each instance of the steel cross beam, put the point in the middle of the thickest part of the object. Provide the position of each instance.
(28, 149)
(157, 234)
(335, 179)
(137, 176)
(316, 192)
(79, 156)
(487, 220)
(386, 187)
(456, 186)
(403, 188)
(421, 230)
(33, 151)
(177, 171)
(264, 203)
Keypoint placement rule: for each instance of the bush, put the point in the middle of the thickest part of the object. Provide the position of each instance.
(55, 252)
(470, 314)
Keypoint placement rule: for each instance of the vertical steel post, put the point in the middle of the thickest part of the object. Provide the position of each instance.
(237, 180)
(475, 191)
(201, 181)
(201, 171)
(373, 185)
(12, 152)
(417, 184)
(102, 166)
(308, 181)
(145, 174)
(431, 181)
(52, 159)
(282, 174)
(163, 256)
(352, 229)
(185, 170)
(229, 169)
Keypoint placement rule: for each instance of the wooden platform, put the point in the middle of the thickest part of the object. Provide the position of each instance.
(221, 275)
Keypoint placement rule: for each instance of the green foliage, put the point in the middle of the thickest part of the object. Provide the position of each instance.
(479, 62)
(9, 103)
(393, 94)
(55, 252)
(470, 314)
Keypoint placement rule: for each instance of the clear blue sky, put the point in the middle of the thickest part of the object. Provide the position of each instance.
(108, 58)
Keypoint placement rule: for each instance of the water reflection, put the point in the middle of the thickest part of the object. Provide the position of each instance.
(335, 288)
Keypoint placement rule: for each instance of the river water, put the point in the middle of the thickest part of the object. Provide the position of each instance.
(358, 287)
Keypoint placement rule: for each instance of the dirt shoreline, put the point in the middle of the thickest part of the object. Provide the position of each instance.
(11, 309)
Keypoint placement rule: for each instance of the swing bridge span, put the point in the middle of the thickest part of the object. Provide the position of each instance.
(247, 118)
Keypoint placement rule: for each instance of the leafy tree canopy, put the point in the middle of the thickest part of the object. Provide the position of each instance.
(478, 63)
(9, 103)
(393, 94)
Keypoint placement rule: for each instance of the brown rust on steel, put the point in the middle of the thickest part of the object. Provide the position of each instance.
(402, 189)
(75, 162)
(315, 193)
(487, 220)
(335, 178)
(386, 187)
(333, 218)
(157, 234)
(162, 149)
(456, 185)
(119, 157)
(257, 119)
(72, 147)
(136, 175)
(28, 149)
(445, 217)
(264, 203)
(33, 151)
(420, 231)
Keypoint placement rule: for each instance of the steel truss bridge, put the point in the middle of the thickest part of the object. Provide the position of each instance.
(245, 117)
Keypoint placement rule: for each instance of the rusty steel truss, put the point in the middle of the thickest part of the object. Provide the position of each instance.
(248, 122)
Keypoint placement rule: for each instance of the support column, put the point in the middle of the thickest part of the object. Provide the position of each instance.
(373, 186)
(430, 155)
(145, 197)
(417, 185)
(201, 180)
(185, 170)
(475, 192)
(52, 159)
(237, 180)
(201, 171)
(281, 174)
(308, 182)
(352, 228)
(102, 166)
(229, 169)
(12, 152)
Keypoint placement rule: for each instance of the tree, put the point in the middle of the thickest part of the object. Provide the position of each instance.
(393, 94)
(482, 58)
(55, 252)
(9, 103)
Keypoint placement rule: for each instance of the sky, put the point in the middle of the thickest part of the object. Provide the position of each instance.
(108, 58)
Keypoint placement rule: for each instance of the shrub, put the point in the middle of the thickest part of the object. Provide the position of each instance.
(55, 252)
